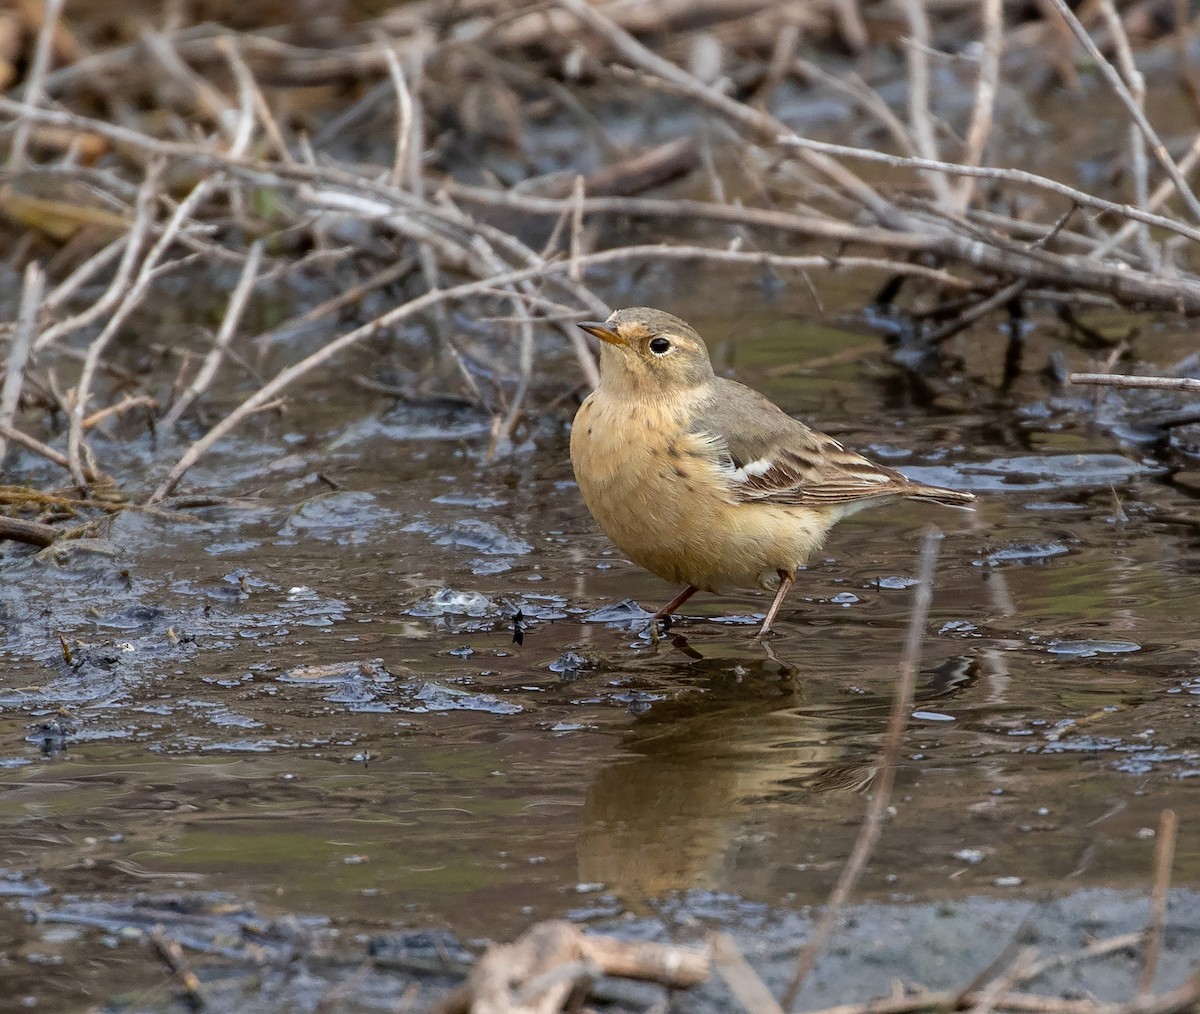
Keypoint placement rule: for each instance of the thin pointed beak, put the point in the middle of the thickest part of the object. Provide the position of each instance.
(604, 332)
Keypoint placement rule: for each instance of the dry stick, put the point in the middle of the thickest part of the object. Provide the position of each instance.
(545, 270)
(404, 114)
(980, 128)
(34, 92)
(751, 992)
(873, 820)
(276, 175)
(757, 120)
(856, 88)
(16, 436)
(919, 120)
(1164, 858)
(207, 100)
(32, 533)
(212, 362)
(578, 195)
(174, 958)
(128, 402)
(83, 274)
(247, 84)
(1124, 380)
(949, 245)
(18, 353)
(1139, 117)
(1156, 200)
(132, 298)
(1137, 143)
(352, 295)
(142, 220)
(992, 995)
(524, 367)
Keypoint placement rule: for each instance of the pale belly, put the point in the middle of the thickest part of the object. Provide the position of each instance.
(662, 504)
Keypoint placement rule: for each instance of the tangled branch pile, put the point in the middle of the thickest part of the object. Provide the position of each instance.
(483, 155)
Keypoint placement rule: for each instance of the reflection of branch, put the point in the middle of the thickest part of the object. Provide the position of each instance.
(881, 796)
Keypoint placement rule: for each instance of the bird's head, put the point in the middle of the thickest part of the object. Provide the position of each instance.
(650, 349)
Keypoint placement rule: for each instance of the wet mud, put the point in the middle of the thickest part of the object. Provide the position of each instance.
(304, 719)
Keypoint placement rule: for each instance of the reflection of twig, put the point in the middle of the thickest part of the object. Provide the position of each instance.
(1164, 857)
(1124, 380)
(872, 823)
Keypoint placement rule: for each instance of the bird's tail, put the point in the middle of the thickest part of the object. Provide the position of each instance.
(943, 496)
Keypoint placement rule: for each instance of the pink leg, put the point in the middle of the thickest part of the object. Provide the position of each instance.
(786, 581)
(665, 612)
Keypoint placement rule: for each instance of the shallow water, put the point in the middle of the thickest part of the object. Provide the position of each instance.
(313, 700)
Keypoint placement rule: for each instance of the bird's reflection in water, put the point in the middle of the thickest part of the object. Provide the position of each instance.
(697, 769)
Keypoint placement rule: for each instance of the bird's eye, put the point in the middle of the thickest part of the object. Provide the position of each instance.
(660, 346)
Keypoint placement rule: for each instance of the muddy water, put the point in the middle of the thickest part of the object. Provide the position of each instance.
(312, 700)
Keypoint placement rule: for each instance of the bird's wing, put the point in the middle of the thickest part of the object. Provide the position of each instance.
(768, 456)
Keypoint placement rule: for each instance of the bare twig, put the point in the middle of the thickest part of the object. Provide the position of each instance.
(142, 220)
(135, 294)
(742, 979)
(919, 119)
(18, 352)
(980, 128)
(1137, 143)
(404, 117)
(872, 824)
(1122, 380)
(174, 958)
(233, 315)
(34, 91)
(16, 436)
(1164, 858)
(1139, 117)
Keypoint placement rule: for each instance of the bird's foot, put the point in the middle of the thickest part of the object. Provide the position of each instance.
(652, 628)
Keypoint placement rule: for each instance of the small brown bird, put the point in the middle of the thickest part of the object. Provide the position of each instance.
(702, 480)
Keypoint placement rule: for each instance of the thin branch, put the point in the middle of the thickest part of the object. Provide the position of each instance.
(919, 120)
(872, 825)
(34, 91)
(1139, 117)
(134, 296)
(982, 111)
(18, 353)
(1122, 380)
(1164, 858)
(404, 116)
(212, 362)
